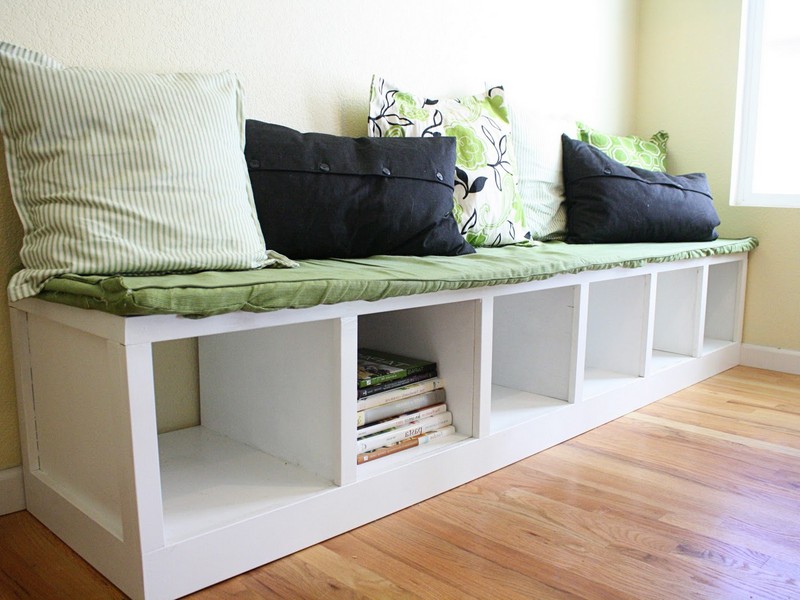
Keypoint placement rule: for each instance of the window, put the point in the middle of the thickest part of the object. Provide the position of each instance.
(766, 169)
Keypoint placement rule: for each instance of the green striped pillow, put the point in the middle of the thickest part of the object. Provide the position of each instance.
(125, 172)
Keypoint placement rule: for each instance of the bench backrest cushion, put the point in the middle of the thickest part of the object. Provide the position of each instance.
(608, 202)
(487, 203)
(115, 172)
(630, 150)
(537, 145)
(327, 196)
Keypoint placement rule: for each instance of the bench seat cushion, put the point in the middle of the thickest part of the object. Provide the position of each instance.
(331, 281)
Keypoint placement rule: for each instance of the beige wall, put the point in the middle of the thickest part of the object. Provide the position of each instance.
(308, 64)
(687, 85)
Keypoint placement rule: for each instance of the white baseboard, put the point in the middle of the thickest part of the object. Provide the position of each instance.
(12, 493)
(774, 359)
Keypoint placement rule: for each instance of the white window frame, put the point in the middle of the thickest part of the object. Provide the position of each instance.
(750, 48)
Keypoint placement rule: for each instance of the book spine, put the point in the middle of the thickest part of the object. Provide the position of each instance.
(403, 419)
(393, 408)
(397, 435)
(402, 389)
(412, 442)
(427, 369)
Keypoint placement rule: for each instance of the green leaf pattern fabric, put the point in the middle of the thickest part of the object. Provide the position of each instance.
(486, 202)
(631, 151)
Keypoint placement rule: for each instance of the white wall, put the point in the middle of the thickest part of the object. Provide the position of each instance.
(687, 85)
(308, 64)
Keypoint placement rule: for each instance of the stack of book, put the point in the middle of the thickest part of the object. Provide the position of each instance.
(401, 404)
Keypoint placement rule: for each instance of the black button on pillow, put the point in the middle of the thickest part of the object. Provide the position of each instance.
(608, 202)
(326, 196)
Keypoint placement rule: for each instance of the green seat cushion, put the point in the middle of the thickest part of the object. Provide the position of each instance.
(332, 281)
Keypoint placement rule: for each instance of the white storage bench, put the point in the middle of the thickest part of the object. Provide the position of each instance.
(529, 359)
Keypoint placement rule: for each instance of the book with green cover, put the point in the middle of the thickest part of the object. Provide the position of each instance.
(377, 367)
(378, 388)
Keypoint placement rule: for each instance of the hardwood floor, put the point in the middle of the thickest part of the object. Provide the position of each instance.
(695, 496)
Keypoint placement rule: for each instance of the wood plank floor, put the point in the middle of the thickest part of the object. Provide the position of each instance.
(695, 496)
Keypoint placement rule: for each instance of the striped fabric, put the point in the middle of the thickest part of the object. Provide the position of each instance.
(537, 144)
(125, 172)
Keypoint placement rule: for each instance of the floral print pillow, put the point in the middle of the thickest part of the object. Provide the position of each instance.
(630, 150)
(486, 203)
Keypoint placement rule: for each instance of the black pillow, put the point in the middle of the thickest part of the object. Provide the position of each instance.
(609, 202)
(326, 196)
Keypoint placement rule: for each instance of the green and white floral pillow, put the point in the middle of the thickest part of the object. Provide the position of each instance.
(486, 204)
(629, 150)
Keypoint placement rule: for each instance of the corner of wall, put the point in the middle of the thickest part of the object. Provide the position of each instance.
(12, 493)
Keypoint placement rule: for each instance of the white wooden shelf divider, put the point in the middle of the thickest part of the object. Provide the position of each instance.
(271, 468)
